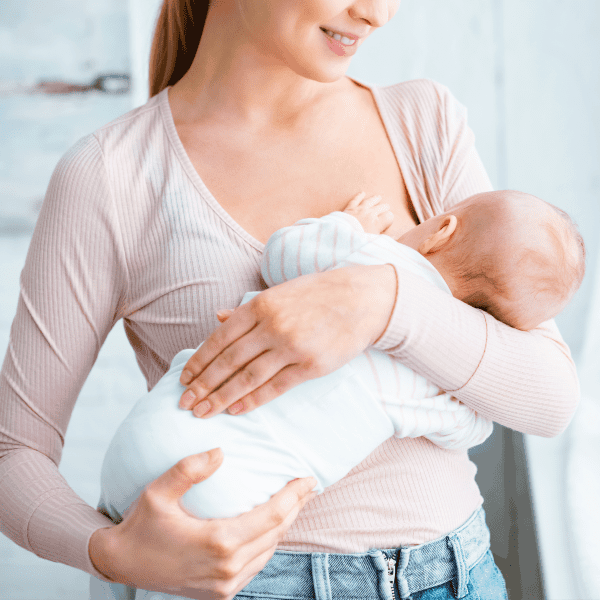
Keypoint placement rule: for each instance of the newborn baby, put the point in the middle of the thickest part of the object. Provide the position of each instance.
(508, 253)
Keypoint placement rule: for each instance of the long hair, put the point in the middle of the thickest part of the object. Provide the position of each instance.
(176, 39)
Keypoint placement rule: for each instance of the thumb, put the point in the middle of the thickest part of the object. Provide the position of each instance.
(224, 314)
(175, 482)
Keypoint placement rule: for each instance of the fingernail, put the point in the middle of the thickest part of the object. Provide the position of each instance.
(186, 377)
(234, 409)
(187, 400)
(202, 408)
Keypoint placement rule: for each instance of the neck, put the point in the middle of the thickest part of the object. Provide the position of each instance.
(235, 78)
(458, 290)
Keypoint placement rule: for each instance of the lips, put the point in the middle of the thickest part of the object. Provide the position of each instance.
(342, 44)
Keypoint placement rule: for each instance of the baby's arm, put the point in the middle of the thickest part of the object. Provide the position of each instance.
(417, 407)
(465, 430)
(315, 245)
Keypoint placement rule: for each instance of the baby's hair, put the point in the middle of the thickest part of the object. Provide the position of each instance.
(550, 273)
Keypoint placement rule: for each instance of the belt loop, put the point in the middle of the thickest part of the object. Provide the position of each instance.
(401, 564)
(380, 564)
(462, 574)
(320, 575)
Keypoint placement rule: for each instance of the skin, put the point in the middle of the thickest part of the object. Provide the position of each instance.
(266, 98)
(283, 85)
(512, 223)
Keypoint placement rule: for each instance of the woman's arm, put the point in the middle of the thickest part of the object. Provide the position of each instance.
(524, 380)
(73, 289)
(71, 294)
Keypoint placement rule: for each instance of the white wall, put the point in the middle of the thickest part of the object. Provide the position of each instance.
(142, 16)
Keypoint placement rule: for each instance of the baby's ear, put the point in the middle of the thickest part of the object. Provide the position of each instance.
(435, 242)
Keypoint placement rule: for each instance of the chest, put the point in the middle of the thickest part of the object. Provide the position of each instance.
(271, 181)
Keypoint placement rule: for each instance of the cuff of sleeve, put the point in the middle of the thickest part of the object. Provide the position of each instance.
(520, 354)
(65, 537)
(346, 219)
(41, 513)
(433, 333)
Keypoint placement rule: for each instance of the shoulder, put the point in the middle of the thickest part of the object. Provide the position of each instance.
(133, 135)
(423, 103)
(115, 140)
(429, 130)
(105, 165)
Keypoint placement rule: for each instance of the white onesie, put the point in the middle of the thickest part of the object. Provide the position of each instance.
(322, 427)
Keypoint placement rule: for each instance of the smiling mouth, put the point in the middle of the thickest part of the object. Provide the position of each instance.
(339, 37)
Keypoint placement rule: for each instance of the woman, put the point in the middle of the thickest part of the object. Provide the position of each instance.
(258, 114)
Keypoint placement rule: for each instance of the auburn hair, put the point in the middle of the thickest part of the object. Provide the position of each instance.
(176, 39)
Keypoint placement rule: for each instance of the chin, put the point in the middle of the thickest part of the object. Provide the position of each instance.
(323, 71)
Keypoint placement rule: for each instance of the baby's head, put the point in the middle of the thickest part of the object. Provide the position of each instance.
(508, 253)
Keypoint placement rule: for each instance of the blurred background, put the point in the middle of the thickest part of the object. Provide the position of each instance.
(529, 74)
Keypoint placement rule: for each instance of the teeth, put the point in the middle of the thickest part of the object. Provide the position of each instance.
(340, 38)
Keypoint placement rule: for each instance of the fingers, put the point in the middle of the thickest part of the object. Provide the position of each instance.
(247, 379)
(380, 209)
(175, 482)
(372, 213)
(364, 201)
(267, 523)
(219, 339)
(284, 380)
(386, 219)
(371, 201)
(356, 200)
(239, 356)
(243, 545)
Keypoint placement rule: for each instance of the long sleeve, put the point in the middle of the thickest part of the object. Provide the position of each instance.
(71, 293)
(524, 380)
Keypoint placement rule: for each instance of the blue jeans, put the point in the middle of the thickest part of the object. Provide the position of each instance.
(458, 565)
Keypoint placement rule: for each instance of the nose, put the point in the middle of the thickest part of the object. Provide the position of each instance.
(374, 12)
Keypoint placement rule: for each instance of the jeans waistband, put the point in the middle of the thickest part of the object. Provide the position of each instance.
(375, 573)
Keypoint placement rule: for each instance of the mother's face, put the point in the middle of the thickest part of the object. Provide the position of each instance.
(315, 38)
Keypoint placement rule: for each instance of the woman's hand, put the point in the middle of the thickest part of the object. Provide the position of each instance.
(299, 330)
(159, 546)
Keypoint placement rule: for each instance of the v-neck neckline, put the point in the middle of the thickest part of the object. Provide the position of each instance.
(214, 204)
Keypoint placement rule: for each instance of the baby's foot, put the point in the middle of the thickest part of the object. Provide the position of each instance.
(374, 215)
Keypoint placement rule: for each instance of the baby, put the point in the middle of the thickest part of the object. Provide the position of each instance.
(508, 253)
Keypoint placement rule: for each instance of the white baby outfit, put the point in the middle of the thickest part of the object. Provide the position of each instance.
(322, 427)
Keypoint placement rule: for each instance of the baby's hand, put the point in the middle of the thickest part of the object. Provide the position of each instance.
(372, 213)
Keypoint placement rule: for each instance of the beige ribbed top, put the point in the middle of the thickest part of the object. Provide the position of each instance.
(129, 231)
